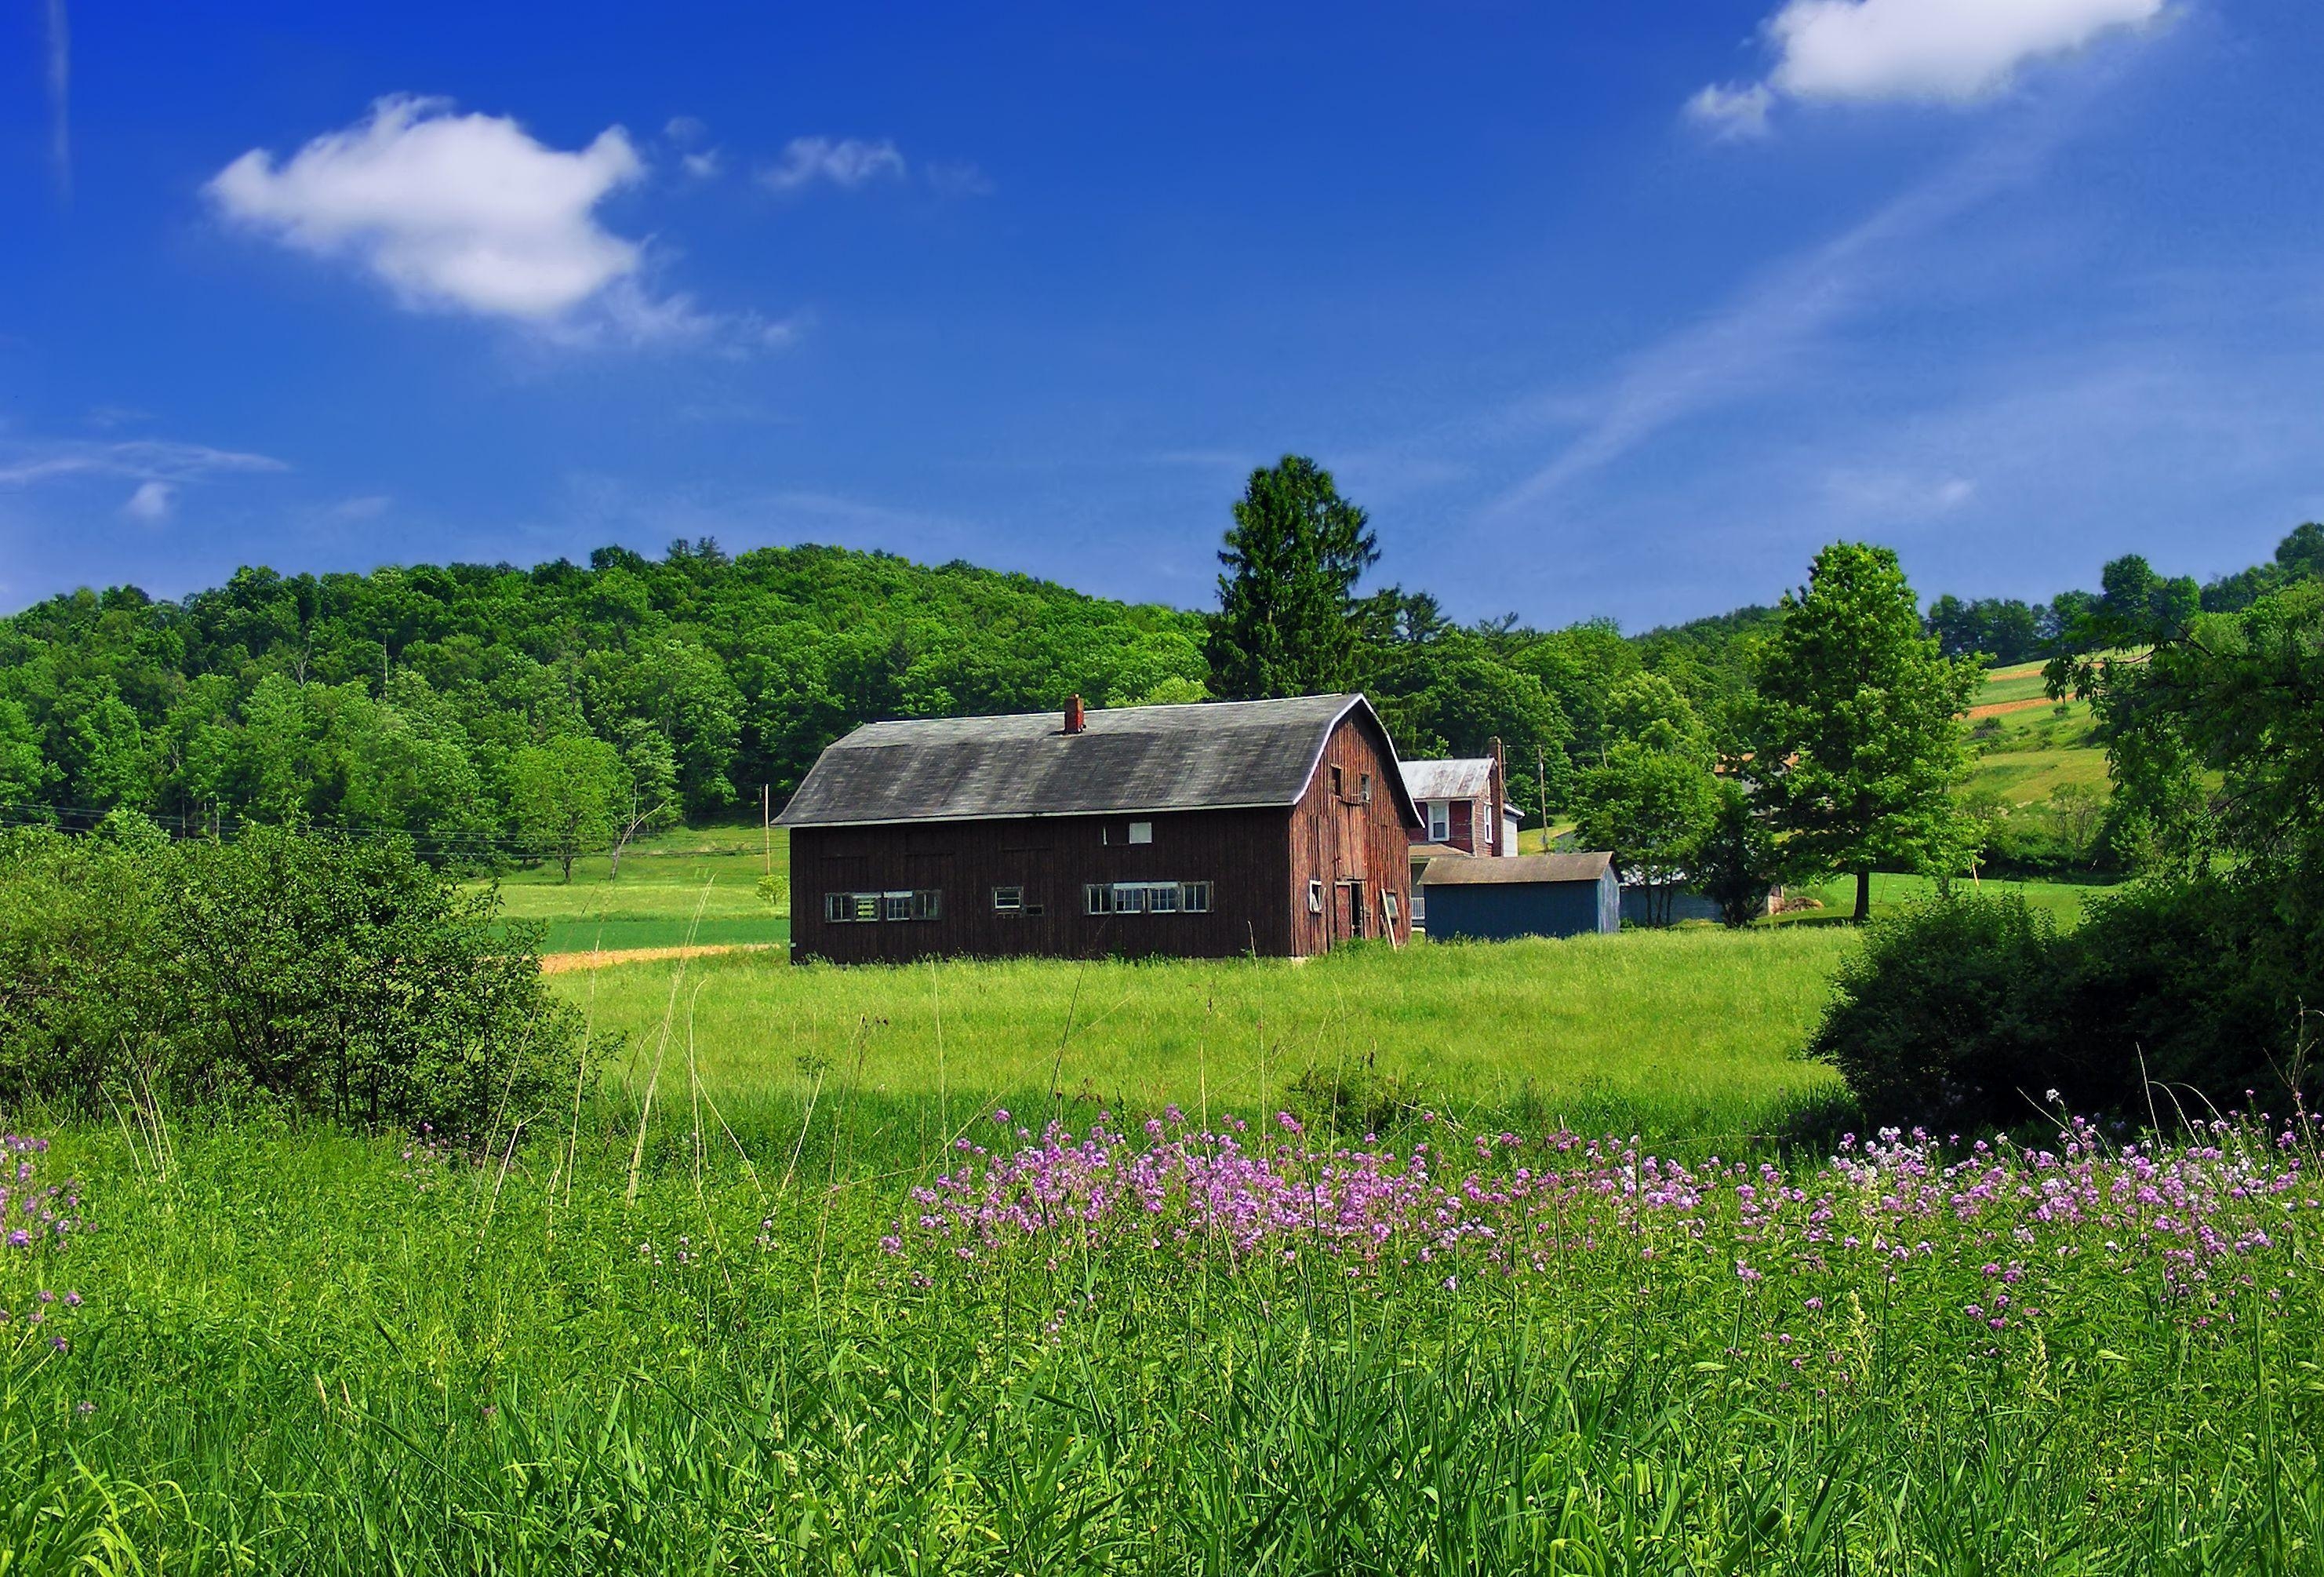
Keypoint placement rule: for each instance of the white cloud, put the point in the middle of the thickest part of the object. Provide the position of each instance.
(151, 502)
(466, 212)
(959, 178)
(1733, 112)
(702, 166)
(847, 161)
(1930, 50)
(27, 461)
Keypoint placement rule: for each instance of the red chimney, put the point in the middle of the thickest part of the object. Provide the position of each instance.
(1075, 718)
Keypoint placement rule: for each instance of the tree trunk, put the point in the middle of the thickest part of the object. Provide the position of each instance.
(1863, 897)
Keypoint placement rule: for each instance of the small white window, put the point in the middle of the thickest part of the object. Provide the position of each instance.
(1097, 898)
(1387, 907)
(1141, 832)
(1440, 822)
(1161, 897)
(1009, 900)
(895, 905)
(1129, 898)
(928, 905)
(1488, 829)
(839, 908)
(1194, 897)
(1315, 897)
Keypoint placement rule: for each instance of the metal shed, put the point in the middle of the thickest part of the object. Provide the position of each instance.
(1534, 894)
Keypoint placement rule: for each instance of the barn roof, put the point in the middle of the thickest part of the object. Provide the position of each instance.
(1526, 869)
(1211, 756)
(1458, 779)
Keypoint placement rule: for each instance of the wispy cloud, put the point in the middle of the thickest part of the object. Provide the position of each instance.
(1750, 347)
(60, 95)
(27, 461)
(844, 161)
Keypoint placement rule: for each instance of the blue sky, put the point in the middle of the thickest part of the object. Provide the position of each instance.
(1615, 310)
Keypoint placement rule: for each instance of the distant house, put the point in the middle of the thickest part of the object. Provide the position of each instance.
(1272, 827)
(1464, 810)
(1530, 894)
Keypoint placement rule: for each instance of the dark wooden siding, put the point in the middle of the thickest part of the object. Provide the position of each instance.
(1341, 841)
(1242, 854)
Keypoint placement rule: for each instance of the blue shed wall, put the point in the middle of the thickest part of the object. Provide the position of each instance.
(1499, 911)
(1686, 904)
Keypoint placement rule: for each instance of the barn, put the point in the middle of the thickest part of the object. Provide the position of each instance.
(1278, 828)
(1532, 894)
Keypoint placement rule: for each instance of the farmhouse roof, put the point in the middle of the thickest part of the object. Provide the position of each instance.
(1458, 779)
(1211, 756)
(1526, 869)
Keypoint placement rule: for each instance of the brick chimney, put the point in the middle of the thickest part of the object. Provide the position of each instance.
(1076, 719)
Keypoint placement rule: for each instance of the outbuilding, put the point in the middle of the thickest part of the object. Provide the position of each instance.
(1532, 894)
(1278, 828)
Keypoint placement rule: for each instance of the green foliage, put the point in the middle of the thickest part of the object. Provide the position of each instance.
(336, 978)
(1945, 1018)
(2171, 995)
(565, 793)
(1736, 864)
(1286, 623)
(1652, 809)
(1997, 630)
(1858, 739)
(1451, 697)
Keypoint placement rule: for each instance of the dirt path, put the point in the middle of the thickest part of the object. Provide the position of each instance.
(1995, 708)
(559, 963)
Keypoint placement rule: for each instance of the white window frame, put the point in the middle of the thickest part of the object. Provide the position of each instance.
(1009, 900)
(1315, 896)
(1439, 821)
(1194, 897)
(1097, 898)
(1141, 832)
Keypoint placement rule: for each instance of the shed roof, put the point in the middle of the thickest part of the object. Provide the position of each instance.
(1524, 870)
(1211, 755)
(1457, 779)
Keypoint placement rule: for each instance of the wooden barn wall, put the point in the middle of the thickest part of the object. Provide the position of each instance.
(1338, 837)
(1242, 854)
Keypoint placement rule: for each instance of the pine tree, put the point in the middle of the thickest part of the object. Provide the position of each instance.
(1286, 624)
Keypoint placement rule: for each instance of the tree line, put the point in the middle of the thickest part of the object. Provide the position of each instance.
(489, 712)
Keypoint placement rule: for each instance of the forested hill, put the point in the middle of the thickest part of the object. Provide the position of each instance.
(402, 698)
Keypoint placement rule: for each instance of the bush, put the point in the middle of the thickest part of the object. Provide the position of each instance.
(1937, 1018)
(2171, 997)
(325, 977)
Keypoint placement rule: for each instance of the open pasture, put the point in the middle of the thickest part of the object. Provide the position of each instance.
(697, 886)
(1680, 1033)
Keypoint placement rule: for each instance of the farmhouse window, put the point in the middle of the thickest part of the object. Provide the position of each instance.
(1194, 897)
(1315, 897)
(1141, 832)
(1009, 900)
(1440, 822)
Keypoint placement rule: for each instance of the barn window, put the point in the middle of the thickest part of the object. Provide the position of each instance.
(1161, 897)
(1129, 898)
(1194, 897)
(928, 905)
(838, 908)
(1364, 788)
(1097, 898)
(1009, 900)
(895, 905)
(1315, 897)
(1337, 791)
(867, 905)
(1387, 907)
(1141, 832)
(1440, 822)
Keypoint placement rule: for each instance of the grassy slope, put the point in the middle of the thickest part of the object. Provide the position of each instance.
(695, 884)
(2027, 756)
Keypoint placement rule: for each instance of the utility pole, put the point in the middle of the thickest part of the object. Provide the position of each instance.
(1541, 783)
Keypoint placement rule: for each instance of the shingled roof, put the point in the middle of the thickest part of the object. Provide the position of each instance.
(1213, 755)
(1524, 869)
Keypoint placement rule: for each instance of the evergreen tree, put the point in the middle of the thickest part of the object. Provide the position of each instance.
(1858, 735)
(1286, 624)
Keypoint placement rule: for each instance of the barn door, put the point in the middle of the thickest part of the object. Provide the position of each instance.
(1352, 895)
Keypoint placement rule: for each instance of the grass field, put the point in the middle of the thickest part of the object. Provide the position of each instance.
(1678, 1034)
(697, 885)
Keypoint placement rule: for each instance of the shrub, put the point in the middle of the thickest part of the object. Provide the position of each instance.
(1937, 1017)
(334, 978)
(2172, 997)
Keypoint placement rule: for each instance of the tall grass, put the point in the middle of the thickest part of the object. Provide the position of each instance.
(302, 1351)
